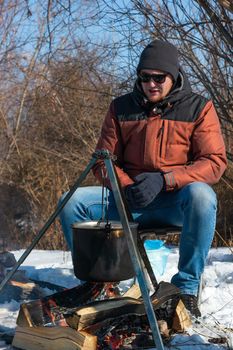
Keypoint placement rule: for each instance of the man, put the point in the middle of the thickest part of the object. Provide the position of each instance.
(169, 151)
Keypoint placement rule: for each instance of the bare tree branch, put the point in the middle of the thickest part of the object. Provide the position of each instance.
(227, 4)
(216, 21)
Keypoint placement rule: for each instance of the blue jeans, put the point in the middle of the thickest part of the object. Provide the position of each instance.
(192, 207)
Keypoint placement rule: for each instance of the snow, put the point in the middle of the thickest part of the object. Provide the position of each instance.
(216, 301)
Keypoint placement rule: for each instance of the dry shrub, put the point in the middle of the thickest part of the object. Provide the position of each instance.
(56, 141)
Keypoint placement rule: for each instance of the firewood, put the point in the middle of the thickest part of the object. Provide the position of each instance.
(103, 310)
(23, 285)
(133, 292)
(163, 328)
(19, 291)
(74, 306)
(181, 320)
(53, 338)
(51, 309)
(53, 319)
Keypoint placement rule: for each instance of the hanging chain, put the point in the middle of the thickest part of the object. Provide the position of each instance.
(105, 213)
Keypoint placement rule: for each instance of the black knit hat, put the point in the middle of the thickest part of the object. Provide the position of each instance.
(160, 55)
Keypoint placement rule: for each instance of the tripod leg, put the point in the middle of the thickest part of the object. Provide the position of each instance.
(135, 257)
(146, 261)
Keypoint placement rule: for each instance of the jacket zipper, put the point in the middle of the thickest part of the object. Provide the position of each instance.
(160, 134)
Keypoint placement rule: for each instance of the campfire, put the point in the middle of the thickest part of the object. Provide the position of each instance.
(91, 316)
(96, 316)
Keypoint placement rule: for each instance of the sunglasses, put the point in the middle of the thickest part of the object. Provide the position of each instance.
(157, 78)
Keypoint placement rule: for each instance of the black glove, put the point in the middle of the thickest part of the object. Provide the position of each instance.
(144, 191)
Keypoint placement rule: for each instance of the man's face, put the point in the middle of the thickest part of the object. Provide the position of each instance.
(156, 91)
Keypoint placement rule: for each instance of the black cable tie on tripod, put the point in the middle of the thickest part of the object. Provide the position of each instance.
(104, 154)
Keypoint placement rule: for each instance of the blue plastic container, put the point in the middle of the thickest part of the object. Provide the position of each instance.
(157, 253)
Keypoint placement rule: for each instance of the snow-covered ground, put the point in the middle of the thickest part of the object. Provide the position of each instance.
(216, 298)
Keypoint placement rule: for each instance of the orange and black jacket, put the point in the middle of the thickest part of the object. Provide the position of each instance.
(179, 137)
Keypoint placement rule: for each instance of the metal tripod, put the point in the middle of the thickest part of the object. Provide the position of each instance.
(139, 267)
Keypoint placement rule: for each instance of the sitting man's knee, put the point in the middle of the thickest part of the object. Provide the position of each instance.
(201, 194)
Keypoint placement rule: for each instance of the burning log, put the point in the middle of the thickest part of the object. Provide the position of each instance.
(51, 310)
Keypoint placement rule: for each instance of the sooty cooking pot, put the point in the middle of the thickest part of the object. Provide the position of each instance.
(100, 251)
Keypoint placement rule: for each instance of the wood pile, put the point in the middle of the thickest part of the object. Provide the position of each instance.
(95, 316)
